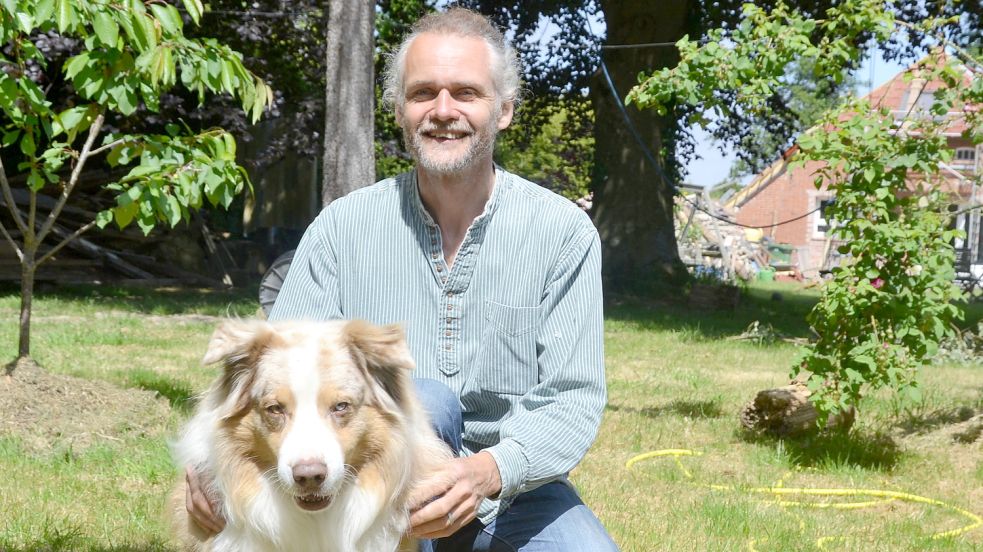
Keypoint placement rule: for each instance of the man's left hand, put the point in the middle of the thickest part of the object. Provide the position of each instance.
(456, 492)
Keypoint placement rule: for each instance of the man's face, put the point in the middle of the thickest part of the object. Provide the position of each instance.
(450, 115)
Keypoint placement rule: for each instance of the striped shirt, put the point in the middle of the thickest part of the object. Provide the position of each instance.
(515, 327)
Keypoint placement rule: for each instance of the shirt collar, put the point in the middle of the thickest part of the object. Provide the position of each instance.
(501, 182)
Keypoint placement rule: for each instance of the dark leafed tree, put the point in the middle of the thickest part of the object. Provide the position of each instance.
(349, 149)
(633, 198)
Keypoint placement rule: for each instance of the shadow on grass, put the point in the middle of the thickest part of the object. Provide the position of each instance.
(240, 301)
(689, 409)
(858, 449)
(782, 308)
(179, 394)
(923, 422)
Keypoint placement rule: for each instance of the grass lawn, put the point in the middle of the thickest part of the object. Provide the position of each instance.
(675, 379)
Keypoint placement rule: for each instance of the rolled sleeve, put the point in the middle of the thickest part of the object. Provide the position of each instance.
(513, 466)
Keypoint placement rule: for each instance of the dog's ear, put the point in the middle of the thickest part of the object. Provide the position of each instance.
(382, 352)
(237, 344)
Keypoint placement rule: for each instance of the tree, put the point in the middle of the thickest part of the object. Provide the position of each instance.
(130, 53)
(632, 207)
(349, 149)
(557, 154)
(886, 310)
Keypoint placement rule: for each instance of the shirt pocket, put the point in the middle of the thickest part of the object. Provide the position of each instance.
(507, 359)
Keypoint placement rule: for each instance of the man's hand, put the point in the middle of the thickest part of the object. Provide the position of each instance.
(200, 506)
(454, 494)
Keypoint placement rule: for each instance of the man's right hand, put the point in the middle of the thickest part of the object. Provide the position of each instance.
(200, 507)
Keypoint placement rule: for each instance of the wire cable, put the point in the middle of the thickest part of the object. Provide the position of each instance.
(672, 185)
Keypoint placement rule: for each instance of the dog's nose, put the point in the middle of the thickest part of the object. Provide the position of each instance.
(310, 474)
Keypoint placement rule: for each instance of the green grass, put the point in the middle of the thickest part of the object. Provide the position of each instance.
(675, 381)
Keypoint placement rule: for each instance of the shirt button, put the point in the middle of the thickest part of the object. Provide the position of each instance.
(433, 256)
(447, 347)
(447, 333)
(450, 294)
(440, 268)
(450, 307)
(449, 320)
(443, 280)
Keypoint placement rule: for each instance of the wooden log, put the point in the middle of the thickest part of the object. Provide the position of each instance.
(787, 412)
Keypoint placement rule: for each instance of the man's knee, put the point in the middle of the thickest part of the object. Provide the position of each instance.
(444, 408)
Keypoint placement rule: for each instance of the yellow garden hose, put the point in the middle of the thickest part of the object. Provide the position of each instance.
(779, 492)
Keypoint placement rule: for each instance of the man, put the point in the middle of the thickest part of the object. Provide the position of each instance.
(497, 282)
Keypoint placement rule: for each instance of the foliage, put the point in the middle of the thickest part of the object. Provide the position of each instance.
(806, 98)
(282, 41)
(884, 312)
(558, 154)
(130, 54)
(393, 21)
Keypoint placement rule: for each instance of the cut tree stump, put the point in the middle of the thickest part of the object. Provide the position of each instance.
(787, 412)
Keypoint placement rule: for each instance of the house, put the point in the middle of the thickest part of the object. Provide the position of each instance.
(781, 193)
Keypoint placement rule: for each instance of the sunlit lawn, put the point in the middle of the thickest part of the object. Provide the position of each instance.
(675, 382)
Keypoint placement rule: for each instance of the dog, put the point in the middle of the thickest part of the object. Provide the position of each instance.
(312, 438)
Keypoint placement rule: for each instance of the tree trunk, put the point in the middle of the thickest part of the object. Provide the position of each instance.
(633, 203)
(26, 296)
(349, 147)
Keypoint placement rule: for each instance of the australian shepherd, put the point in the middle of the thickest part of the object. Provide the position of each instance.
(311, 437)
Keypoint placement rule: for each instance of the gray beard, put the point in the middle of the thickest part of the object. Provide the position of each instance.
(479, 143)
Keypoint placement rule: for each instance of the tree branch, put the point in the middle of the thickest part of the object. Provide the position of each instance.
(8, 196)
(65, 242)
(110, 145)
(73, 179)
(965, 56)
(20, 254)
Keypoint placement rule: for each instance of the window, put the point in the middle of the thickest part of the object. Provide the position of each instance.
(823, 223)
(965, 156)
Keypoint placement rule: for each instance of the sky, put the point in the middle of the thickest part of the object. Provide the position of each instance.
(714, 165)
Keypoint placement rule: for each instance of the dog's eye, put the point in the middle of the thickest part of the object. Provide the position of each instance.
(276, 409)
(341, 407)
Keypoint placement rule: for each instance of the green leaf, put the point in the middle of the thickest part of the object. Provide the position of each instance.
(27, 145)
(65, 15)
(10, 137)
(69, 121)
(25, 23)
(194, 9)
(126, 213)
(44, 9)
(103, 218)
(173, 211)
(169, 18)
(9, 5)
(35, 181)
(106, 28)
(140, 28)
(76, 64)
(130, 196)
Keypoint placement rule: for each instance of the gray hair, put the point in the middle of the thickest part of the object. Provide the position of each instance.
(505, 69)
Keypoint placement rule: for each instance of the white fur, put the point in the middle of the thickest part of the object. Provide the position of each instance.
(356, 520)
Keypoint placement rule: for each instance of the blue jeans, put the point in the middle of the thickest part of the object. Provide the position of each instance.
(551, 518)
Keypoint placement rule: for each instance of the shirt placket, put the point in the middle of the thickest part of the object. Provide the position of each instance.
(448, 306)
